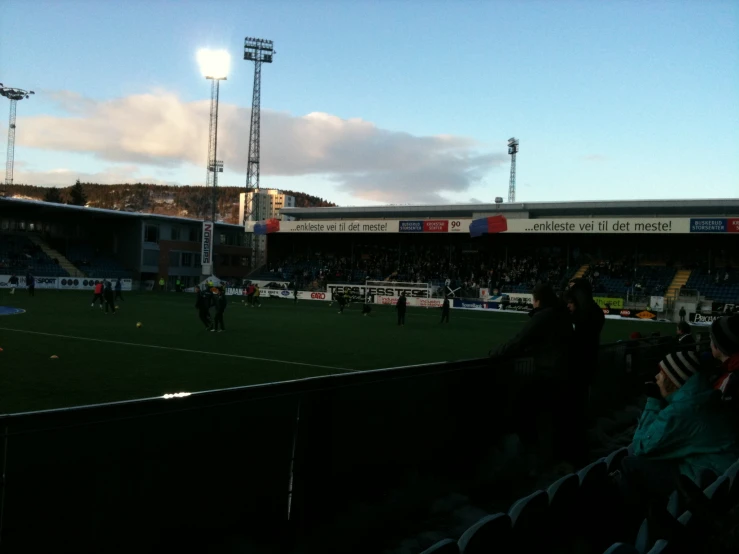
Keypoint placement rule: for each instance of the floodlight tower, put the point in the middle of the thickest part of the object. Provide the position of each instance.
(214, 66)
(12, 94)
(512, 150)
(259, 51)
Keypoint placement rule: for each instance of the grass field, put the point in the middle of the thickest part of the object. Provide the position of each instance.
(105, 358)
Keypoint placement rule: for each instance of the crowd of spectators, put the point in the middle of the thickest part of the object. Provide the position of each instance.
(462, 270)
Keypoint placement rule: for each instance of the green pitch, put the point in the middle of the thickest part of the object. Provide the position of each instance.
(104, 358)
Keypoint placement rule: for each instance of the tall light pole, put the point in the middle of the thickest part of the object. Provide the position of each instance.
(12, 94)
(214, 65)
(259, 51)
(512, 150)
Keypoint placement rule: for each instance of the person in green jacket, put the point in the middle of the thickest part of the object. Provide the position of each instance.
(686, 423)
(684, 429)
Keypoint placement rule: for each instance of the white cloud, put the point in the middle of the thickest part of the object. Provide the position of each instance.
(363, 160)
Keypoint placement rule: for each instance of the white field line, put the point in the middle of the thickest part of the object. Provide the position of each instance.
(177, 349)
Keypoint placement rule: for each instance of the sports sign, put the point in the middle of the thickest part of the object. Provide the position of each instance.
(206, 253)
(583, 225)
(63, 283)
(387, 290)
(703, 319)
(714, 225)
(371, 226)
(418, 302)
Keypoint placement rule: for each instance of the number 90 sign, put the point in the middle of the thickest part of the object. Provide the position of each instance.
(456, 224)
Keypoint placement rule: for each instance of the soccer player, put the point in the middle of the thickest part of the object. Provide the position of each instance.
(13, 283)
(220, 298)
(255, 298)
(445, 310)
(98, 295)
(341, 299)
(109, 300)
(367, 307)
(31, 284)
(401, 306)
(118, 288)
(202, 305)
(295, 292)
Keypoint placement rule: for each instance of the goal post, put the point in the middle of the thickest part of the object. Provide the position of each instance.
(387, 292)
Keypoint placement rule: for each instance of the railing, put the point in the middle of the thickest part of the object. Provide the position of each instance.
(277, 464)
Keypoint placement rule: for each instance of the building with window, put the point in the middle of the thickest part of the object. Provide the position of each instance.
(92, 242)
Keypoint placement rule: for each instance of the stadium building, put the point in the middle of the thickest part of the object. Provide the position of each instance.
(669, 248)
(59, 241)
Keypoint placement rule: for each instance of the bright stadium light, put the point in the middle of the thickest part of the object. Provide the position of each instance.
(214, 64)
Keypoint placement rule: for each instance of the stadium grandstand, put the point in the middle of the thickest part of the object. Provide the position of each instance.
(676, 252)
(57, 240)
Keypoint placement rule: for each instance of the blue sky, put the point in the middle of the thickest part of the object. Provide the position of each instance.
(386, 101)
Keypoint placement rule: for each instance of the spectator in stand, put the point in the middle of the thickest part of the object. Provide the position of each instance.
(587, 320)
(725, 348)
(547, 338)
(682, 430)
(684, 335)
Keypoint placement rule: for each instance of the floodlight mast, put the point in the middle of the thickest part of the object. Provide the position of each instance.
(12, 94)
(259, 51)
(214, 66)
(512, 150)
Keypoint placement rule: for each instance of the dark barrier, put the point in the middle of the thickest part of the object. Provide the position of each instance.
(267, 463)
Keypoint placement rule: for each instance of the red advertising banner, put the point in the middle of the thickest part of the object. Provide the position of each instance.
(732, 225)
(440, 226)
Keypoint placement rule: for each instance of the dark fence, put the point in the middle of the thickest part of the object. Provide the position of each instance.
(274, 465)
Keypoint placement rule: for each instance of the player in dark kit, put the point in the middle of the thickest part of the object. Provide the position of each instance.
(341, 299)
(445, 311)
(31, 284)
(109, 300)
(118, 288)
(295, 293)
(220, 301)
(202, 305)
(401, 306)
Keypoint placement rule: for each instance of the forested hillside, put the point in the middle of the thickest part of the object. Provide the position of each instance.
(159, 199)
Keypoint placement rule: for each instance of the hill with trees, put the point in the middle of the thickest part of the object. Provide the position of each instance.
(157, 199)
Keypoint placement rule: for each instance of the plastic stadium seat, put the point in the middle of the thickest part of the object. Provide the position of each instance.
(645, 538)
(596, 508)
(660, 547)
(732, 472)
(564, 497)
(621, 548)
(446, 546)
(490, 534)
(613, 460)
(593, 474)
(705, 478)
(718, 493)
(529, 520)
(675, 504)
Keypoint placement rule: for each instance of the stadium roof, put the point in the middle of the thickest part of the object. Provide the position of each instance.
(45, 207)
(728, 207)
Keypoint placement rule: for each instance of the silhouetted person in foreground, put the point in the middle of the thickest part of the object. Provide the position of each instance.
(538, 395)
(587, 320)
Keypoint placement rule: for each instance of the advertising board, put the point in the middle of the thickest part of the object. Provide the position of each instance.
(386, 290)
(416, 302)
(64, 283)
